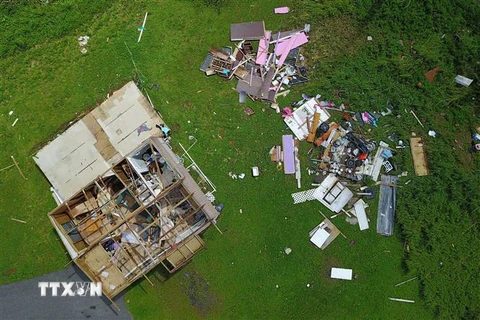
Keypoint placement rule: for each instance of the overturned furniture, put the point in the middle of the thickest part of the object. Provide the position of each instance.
(323, 234)
(126, 202)
(333, 194)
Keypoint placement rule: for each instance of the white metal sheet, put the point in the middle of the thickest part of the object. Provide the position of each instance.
(361, 215)
(319, 237)
(339, 273)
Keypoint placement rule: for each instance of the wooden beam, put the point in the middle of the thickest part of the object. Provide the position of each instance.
(19, 170)
(7, 167)
(139, 209)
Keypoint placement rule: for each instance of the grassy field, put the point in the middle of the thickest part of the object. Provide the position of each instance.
(244, 273)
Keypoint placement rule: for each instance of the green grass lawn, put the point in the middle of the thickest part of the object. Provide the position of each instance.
(244, 273)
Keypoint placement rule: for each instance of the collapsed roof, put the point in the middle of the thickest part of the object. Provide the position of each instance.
(126, 202)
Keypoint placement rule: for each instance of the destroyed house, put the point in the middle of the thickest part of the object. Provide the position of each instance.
(126, 202)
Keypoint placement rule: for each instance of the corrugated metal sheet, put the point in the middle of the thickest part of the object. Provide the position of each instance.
(386, 205)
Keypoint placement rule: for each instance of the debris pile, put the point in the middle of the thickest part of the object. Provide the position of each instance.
(265, 63)
(345, 164)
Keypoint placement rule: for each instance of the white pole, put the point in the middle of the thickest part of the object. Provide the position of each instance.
(143, 27)
(401, 300)
(399, 284)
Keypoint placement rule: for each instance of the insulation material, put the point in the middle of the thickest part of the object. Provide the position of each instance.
(288, 154)
(263, 48)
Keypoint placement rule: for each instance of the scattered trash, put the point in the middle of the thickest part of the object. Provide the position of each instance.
(82, 42)
(369, 38)
(430, 75)
(432, 133)
(281, 10)
(210, 197)
(219, 207)
(464, 81)
(15, 122)
(308, 285)
(288, 251)
(255, 171)
(10, 113)
(249, 111)
(241, 175)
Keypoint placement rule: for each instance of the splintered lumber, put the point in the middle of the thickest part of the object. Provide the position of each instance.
(18, 220)
(419, 156)
(313, 127)
(413, 113)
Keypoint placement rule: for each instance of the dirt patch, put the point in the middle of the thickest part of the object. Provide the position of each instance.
(9, 272)
(199, 293)
(330, 263)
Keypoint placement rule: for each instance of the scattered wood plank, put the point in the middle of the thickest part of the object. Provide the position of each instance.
(19, 170)
(419, 156)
